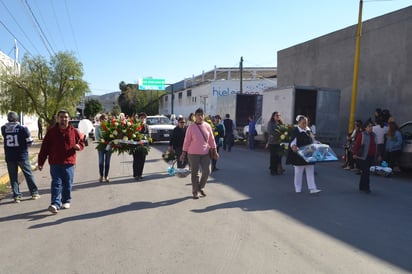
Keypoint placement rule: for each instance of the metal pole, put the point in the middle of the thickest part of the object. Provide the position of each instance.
(355, 70)
(172, 101)
(241, 74)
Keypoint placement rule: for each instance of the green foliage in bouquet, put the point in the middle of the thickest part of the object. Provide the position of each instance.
(283, 137)
(122, 134)
(169, 156)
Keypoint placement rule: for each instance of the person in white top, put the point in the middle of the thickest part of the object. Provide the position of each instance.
(380, 130)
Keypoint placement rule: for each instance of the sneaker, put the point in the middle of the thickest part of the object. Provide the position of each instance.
(314, 191)
(53, 209)
(347, 168)
(35, 196)
(107, 180)
(17, 199)
(66, 205)
(203, 193)
(195, 195)
(101, 179)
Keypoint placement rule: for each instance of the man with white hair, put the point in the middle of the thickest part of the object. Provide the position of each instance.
(17, 138)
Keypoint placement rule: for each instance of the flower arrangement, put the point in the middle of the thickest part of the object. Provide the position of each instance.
(169, 156)
(282, 136)
(123, 134)
(283, 133)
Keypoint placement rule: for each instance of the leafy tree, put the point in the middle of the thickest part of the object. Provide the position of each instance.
(132, 100)
(44, 87)
(92, 107)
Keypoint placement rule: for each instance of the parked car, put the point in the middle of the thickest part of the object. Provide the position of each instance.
(160, 128)
(405, 161)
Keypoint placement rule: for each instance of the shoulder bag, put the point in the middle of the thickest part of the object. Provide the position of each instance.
(212, 152)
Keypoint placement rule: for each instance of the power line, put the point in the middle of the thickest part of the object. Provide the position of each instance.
(71, 28)
(43, 37)
(7, 29)
(21, 29)
(57, 23)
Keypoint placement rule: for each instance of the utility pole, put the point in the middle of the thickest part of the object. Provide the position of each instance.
(241, 74)
(355, 70)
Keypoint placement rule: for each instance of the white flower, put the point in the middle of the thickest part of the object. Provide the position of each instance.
(125, 138)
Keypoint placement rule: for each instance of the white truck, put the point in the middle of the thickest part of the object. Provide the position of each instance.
(320, 104)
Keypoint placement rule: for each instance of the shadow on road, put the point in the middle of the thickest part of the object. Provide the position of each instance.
(118, 210)
(379, 223)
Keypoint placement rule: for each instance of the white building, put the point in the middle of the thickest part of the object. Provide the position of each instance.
(10, 65)
(204, 90)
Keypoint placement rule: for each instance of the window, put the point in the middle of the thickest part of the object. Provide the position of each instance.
(189, 93)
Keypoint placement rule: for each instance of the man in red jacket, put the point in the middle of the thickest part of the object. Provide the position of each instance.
(60, 145)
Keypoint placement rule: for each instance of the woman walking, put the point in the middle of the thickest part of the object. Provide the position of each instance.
(199, 140)
(275, 162)
(104, 154)
(302, 136)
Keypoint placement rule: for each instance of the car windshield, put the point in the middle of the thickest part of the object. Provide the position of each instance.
(75, 123)
(158, 121)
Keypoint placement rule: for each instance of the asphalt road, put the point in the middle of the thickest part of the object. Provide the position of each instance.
(250, 222)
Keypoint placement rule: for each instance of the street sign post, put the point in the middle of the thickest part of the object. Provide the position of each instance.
(151, 84)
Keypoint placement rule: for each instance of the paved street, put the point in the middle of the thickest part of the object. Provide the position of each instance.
(250, 222)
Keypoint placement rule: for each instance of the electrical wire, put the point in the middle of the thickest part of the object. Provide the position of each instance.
(42, 35)
(71, 28)
(21, 29)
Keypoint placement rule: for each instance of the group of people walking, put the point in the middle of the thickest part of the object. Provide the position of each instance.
(196, 143)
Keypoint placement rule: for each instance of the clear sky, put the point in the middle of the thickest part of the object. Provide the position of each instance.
(125, 40)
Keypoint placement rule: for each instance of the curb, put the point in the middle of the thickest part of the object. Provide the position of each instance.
(5, 179)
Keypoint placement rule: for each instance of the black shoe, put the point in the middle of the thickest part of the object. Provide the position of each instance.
(195, 196)
(203, 193)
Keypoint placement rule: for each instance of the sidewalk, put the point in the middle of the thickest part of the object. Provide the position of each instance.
(33, 152)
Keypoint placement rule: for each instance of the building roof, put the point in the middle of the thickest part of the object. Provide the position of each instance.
(226, 73)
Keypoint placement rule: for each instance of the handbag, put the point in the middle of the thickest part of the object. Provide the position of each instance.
(212, 152)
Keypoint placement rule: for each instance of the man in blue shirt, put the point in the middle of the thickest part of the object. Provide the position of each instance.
(17, 138)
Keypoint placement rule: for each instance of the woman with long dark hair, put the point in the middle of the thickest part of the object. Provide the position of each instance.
(275, 160)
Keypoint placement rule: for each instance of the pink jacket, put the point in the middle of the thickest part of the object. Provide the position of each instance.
(195, 142)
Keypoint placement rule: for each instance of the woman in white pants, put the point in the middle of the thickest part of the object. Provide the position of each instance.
(302, 136)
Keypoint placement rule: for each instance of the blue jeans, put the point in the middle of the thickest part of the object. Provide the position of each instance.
(104, 162)
(61, 184)
(12, 168)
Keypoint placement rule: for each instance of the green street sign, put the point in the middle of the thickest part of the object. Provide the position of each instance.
(151, 84)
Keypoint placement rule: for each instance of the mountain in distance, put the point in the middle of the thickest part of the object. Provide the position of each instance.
(108, 100)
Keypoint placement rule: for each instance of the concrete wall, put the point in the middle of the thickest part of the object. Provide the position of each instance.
(385, 70)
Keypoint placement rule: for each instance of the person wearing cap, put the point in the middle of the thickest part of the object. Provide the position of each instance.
(139, 156)
(176, 141)
(199, 140)
(17, 138)
(59, 146)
